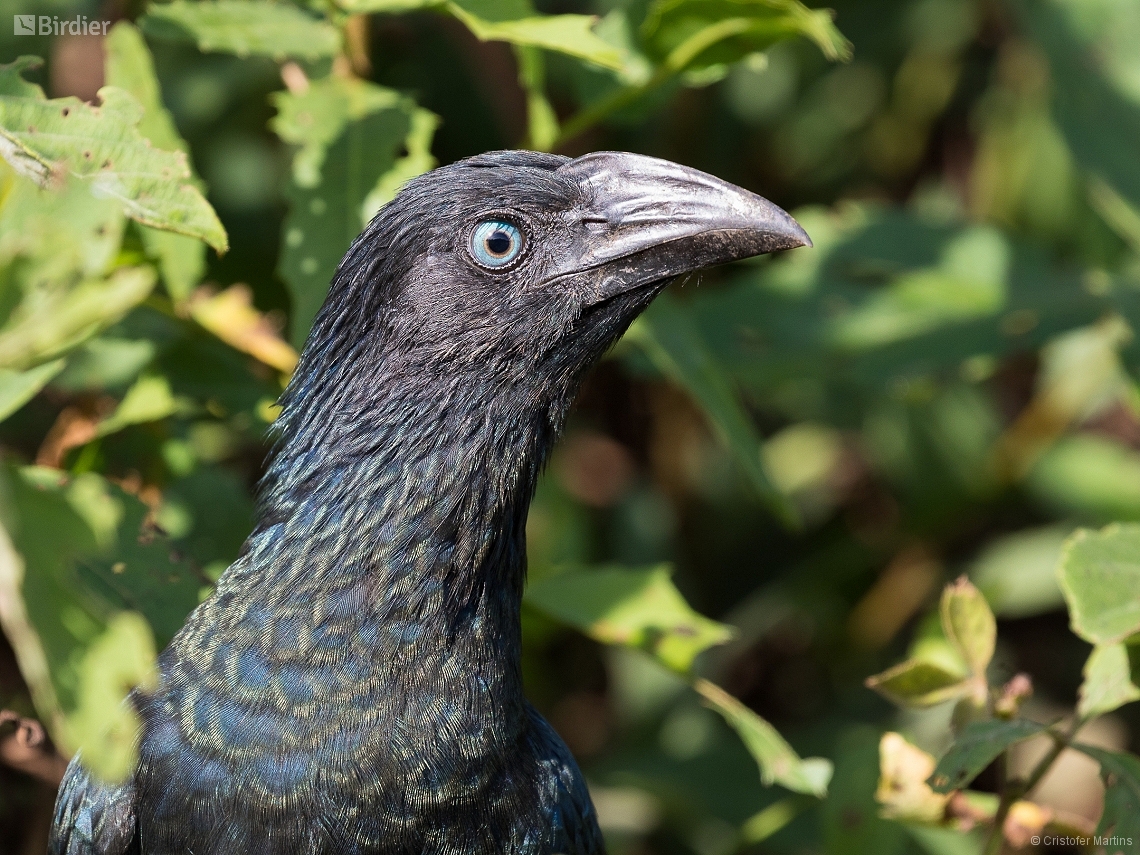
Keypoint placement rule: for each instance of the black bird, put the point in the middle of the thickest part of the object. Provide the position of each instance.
(353, 685)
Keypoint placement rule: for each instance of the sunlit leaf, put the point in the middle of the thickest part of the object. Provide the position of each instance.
(49, 141)
(231, 316)
(181, 259)
(636, 608)
(58, 321)
(1100, 576)
(919, 683)
(103, 726)
(969, 624)
(18, 387)
(244, 28)
(148, 400)
(1111, 679)
(903, 789)
(315, 118)
(325, 219)
(977, 746)
(494, 20)
(514, 21)
(778, 762)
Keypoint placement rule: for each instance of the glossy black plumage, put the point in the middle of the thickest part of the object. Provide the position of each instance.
(353, 685)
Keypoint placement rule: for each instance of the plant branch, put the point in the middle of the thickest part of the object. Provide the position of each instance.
(676, 62)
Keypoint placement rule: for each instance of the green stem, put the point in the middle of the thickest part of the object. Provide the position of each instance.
(677, 61)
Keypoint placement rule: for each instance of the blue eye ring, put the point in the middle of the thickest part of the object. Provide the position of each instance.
(496, 243)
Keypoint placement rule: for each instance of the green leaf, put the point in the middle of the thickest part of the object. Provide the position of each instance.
(1100, 122)
(676, 347)
(18, 387)
(635, 608)
(315, 118)
(541, 120)
(699, 33)
(59, 320)
(105, 362)
(1100, 577)
(181, 259)
(1017, 573)
(244, 28)
(12, 82)
(917, 683)
(1090, 476)
(978, 745)
(778, 762)
(969, 624)
(325, 219)
(80, 556)
(102, 147)
(103, 727)
(1120, 821)
(1112, 679)
(493, 20)
(513, 21)
(417, 161)
(148, 400)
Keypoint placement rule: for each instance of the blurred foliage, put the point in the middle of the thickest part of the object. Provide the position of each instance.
(765, 487)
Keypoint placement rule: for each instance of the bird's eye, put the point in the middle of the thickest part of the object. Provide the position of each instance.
(496, 243)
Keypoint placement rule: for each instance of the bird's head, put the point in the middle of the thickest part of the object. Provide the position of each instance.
(519, 269)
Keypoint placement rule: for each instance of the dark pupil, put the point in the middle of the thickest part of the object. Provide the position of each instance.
(499, 243)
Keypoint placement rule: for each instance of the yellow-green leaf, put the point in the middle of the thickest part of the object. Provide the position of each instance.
(104, 726)
(635, 608)
(916, 683)
(18, 387)
(49, 141)
(1100, 577)
(969, 624)
(39, 330)
(777, 760)
(181, 259)
(1112, 679)
(244, 28)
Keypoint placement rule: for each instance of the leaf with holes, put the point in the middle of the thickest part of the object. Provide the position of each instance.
(50, 141)
(324, 220)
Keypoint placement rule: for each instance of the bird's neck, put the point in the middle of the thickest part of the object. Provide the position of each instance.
(402, 511)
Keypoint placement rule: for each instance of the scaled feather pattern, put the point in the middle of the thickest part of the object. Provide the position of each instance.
(353, 686)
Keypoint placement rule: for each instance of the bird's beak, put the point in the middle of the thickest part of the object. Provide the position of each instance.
(645, 220)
